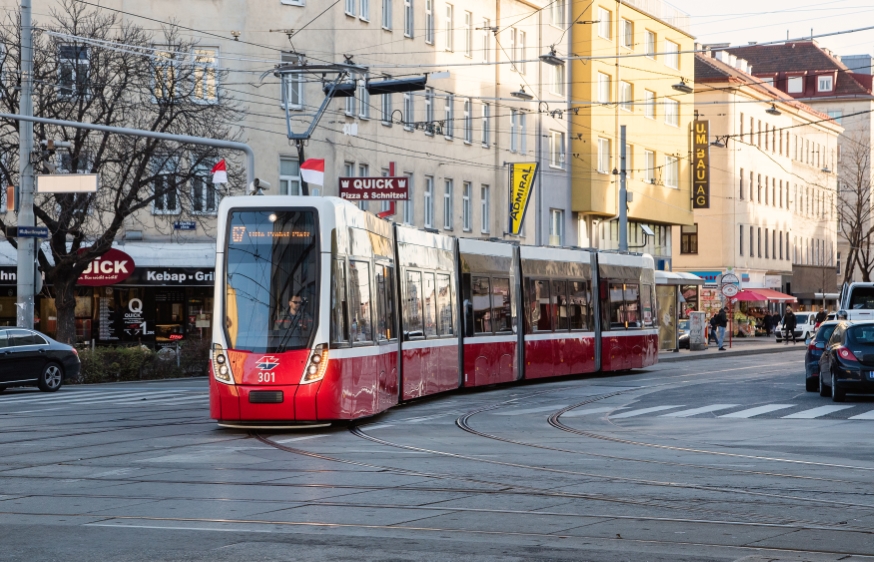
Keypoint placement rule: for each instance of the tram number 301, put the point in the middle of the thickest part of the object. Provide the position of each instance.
(267, 377)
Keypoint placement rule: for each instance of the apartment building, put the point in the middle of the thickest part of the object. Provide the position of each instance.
(635, 69)
(841, 89)
(773, 189)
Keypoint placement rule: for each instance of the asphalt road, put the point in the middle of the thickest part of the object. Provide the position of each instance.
(717, 459)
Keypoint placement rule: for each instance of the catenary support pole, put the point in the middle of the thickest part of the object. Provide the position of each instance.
(623, 195)
(26, 246)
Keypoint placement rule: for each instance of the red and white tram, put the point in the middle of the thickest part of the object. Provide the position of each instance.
(330, 313)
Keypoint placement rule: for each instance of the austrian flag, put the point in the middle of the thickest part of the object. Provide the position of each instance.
(313, 171)
(220, 172)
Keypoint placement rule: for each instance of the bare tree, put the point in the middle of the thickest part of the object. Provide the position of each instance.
(854, 206)
(92, 66)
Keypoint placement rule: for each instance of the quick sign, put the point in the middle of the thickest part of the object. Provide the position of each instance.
(701, 164)
(375, 189)
(521, 185)
(112, 267)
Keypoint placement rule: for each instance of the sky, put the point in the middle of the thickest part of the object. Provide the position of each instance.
(740, 21)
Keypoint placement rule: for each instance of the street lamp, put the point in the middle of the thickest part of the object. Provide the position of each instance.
(773, 110)
(682, 86)
(551, 58)
(522, 94)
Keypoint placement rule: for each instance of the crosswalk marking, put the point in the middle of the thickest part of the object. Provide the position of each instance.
(758, 411)
(119, 397)
(74, 398)
(580, 413)
(110, 396)
(633, 413)
(182, 400)
(816, 412)
(702, 410)
(555, 408)
(866, 416)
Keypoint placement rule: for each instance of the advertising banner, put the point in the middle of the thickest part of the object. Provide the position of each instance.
(112, 267)
(701, 165)
(375, 189)
(521, 185)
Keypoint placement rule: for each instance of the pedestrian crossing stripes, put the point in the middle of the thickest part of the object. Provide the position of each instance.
(174, 397)
(746, 413)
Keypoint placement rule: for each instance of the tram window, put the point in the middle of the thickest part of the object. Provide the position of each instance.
(617, 305)
(482, 308)
(538, 303)
(360, 328)
(339, 332)
(413, 306)
(632, 305)
(646, 306)
(579, 305)
(429, 300)
(385, 312)
(444, 305)
(560, 304)
(502, 312)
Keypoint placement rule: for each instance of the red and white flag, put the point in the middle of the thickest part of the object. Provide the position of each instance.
(220, 172)
(313, 171)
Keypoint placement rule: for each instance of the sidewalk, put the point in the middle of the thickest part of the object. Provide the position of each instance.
(739, 347)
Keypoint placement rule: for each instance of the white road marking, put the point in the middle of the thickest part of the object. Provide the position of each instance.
(377, 426)
(168, 528)
(553, 408)
(82, 397)
(299, 438)
(701, 410)
(176, 400)
(580, 413)
(633, 413)
(759, 410)
(865, 416)
(816, 412)
(112, 397)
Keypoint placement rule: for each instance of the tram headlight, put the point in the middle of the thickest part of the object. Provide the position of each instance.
(220, 369)
(317, 365)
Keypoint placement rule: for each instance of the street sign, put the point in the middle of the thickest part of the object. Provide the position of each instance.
(375, 189)
(67, 183)
(730, 278)
(185, 225)
(729, 290)
(33, 232)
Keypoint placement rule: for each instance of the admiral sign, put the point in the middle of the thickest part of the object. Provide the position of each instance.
(701, 164)
(374, 189)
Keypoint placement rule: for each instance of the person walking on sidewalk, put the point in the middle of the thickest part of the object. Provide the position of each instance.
(789, 323)
(721, 321)
(711, 333)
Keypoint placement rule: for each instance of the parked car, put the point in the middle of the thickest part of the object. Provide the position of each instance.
(847, 363)
(29, 358)
(814, 352)
(805, 326)
(683, 331)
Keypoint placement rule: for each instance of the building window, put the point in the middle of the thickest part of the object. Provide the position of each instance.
(649, 42)
(486, 125)
(781, 245)
(556, 149)
(385, 102)
(752, 255)
(408, 18)
(629, 160)
(826, 83)
(603, 156)
(289, 176)
(766, 244)
(363, 172)
(485, 208)
(449, 26)
(759, 241)
(795, 85)
(429, 111)
(626, 33)
(605, 25)
(689, 239)
(363, 100)
(838, 264)
(204, 193)
(522, 52)
(523, 132)
(557, 83)
(740, 239)
(557, 9)
(350, 7)
(603, 88)
(511, 50)
(672, 55)
(429, 22)
(484, 39)
(386, 14)
(164, 71)
(409, 111)
(447, 204)
(428, 202)
(649, 104)
(741, 190)
(448, 116)
(364, 12)
(672, 171)
(466, 206)
(468, 121)
(349, 106)
(837, 115)
(205, 75)
(672, 112)
(468, 34)
(408, 217)
(514, 118)
(625, 96)
(292, 91)
(166, 201)
(649, 156)
(556, 227)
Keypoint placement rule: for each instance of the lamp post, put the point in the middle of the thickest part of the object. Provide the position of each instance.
(26, 246)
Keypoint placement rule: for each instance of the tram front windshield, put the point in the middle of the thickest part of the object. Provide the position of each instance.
(271, 297)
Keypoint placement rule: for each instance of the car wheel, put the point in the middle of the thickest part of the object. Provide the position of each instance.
(51, 378)
(823, 389)
(811, 385)
(838, 394)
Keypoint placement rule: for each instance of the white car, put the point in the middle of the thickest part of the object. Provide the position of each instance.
(805, 326)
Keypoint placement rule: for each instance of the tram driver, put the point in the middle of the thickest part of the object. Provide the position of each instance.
(295, 318)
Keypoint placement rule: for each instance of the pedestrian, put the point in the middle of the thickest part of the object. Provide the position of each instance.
(789, 323)
(766, 322)
(711, 334)
(821, 316)
(721, 323)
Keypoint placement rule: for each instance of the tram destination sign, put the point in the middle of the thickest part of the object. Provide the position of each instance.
(375, 189)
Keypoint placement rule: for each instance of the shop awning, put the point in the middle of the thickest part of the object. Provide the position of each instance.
(677, 278)
(763, 295)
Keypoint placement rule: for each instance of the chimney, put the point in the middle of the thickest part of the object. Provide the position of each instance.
(722, 56)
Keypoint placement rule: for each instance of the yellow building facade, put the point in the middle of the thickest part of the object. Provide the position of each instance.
(628, 64)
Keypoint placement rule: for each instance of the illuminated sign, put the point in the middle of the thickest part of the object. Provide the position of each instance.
(375, 189)
(521, 185)
(108, 269)
(701, 164)
(240, 233)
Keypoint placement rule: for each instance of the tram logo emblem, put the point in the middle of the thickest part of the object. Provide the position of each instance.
(267, 363)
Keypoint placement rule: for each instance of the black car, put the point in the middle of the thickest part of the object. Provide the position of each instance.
(29, 358)
(814, 352)
(847, 363)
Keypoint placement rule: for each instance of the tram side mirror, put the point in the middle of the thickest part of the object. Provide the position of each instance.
(842, 315)
(258, 186)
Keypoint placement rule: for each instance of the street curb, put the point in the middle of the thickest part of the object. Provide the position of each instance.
(740, 353)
